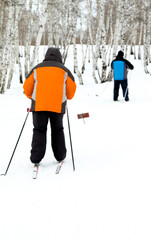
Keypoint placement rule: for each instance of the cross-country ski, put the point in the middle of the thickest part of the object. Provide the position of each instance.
(35, 171)
(59, 166)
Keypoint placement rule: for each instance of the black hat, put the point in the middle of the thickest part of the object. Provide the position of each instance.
(120, 54)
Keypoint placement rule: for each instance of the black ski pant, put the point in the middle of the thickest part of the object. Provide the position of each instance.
(39, 140)
(124, 86)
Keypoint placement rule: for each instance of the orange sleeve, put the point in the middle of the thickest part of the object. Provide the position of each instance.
(70, 88)
(29, 85)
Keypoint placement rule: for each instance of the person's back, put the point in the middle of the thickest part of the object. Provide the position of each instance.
(120, 67)
(49, 85)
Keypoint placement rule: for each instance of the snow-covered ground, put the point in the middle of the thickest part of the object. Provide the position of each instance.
(108, 197)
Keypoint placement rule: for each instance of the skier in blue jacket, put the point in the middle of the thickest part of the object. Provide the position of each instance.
(120, 67)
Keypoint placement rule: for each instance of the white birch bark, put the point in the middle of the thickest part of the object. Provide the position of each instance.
(39, 35)
(89, 51)
(81, 43)
(74, 7)
(103, 39)
(89, 7)
(28, 39)
(65, 38)
(96, 54)
(15, 48)
(1, 27)
(7, 48)
(134, 40)
(56, 20)
(140, 40)
(50, 24)
(146, 39)
(149, 37)
(123, 23)
(111, 40)
(117, 29)
(115, 37)
(76, 70)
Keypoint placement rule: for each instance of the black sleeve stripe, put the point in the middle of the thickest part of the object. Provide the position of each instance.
(54, 64)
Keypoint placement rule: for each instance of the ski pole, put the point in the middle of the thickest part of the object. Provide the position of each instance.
(70, 140)
(4, 174)
(127, 86)
(126, 92)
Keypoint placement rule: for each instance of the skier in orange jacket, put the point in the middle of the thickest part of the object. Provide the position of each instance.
(49, 85)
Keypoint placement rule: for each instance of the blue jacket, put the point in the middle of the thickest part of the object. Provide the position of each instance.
(120, 67)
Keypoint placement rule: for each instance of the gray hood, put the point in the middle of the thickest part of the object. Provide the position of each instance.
(53, 54)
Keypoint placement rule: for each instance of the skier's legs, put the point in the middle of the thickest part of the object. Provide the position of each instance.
(116, 90)
(40, 120)
(57, 136)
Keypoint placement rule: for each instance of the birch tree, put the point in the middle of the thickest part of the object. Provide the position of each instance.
(39, 35)
(96, 52)
(103, 39)
(90, 17)
(1, 27)
(56, 17)
(28, 38)
(74, 7)
(146, 37)
(66, 28)
(109, 24)
(117, 28)
(140, 40)
(123, 23)
(50, 23)
(15, 54)
(7, 47)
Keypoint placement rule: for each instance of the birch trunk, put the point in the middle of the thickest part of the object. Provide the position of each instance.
(146, 37)
(28, 40)
(96, 54)
(1, 27)
(111, 40)
(103, 38)
(110, 73)
(123, 23)
(115, 37)
(117, 29)
(76, 69)
(15, 48)
(140, 40)
(65, 38)
(50, 24)
(81, 43)
(89, 7)
(7, 47)
(89, 51)
(56, 20)
(149, 37)
(39, 35)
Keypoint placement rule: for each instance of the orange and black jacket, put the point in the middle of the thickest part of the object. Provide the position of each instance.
(50, 84)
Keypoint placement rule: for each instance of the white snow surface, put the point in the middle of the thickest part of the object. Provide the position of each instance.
(108, 196)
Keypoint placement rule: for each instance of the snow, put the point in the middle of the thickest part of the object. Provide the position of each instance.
(108, 196)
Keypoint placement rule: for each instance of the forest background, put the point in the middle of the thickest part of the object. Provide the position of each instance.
(100, 27)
